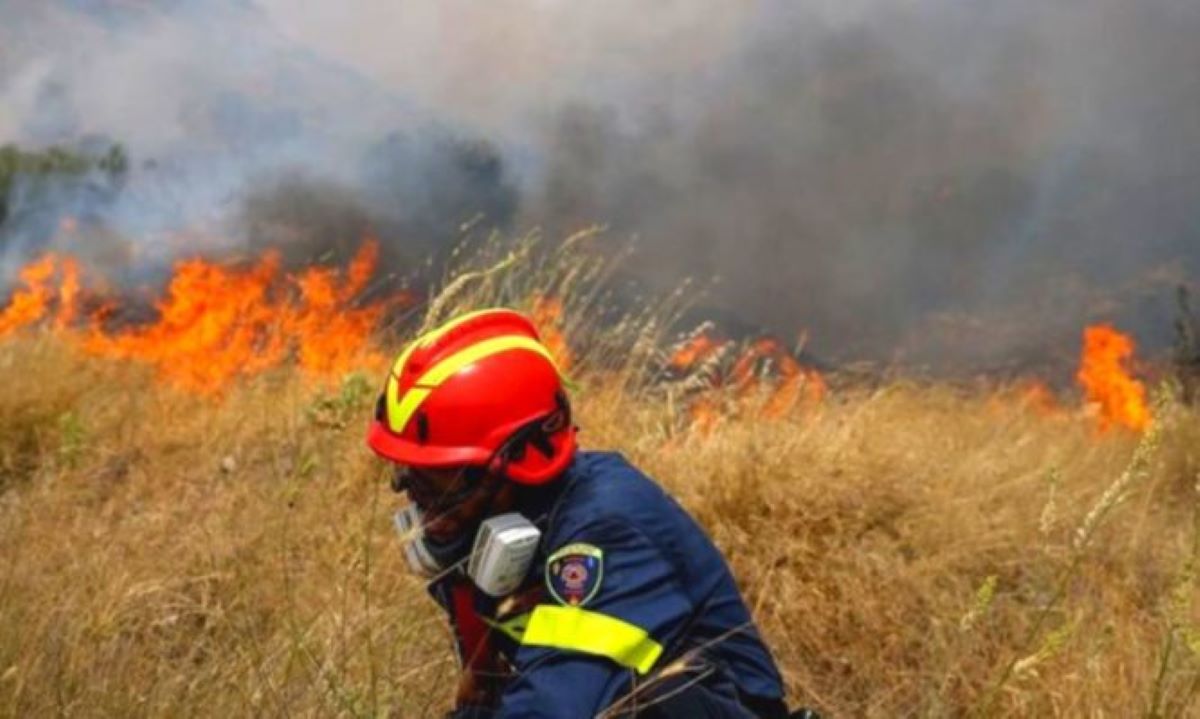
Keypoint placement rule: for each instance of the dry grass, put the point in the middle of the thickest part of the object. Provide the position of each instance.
(165, 555)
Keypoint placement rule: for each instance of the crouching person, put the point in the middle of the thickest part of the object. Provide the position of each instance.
(575, 586)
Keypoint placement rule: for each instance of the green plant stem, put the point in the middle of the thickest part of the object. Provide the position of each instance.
(1033, 633)
(1161, 675)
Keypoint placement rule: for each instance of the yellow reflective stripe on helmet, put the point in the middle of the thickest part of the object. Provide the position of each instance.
(581, 630)
(398, 365)
(429, 337)
(396, 408)
(400, 412)
(401, 409)
(441, 371)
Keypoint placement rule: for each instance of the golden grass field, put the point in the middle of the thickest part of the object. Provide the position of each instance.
(908, 549)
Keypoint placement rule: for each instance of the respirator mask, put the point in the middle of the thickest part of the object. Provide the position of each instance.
(498, 553)
(498, 556)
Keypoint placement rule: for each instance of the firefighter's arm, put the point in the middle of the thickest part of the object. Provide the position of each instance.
(613, 603)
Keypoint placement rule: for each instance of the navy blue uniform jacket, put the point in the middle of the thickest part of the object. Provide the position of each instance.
(632, 585)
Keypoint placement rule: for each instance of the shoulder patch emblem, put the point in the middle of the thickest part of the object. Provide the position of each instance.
(573, 573)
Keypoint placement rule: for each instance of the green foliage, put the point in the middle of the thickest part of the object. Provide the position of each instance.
(336, 411)
(54, 161)
(72, 438)
(115, 161)
(43, 425)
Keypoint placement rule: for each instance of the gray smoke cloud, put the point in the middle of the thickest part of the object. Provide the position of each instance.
(931, 181)
(238, 137)
(940, 182)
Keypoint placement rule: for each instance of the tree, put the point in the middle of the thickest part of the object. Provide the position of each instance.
(52, 163)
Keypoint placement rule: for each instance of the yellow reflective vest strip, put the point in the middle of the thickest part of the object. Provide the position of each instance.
(401, 409)
(514, 628)
(581, 630)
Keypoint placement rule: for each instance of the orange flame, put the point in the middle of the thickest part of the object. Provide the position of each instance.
(214, 324)
(790, 383)
(68, 294)
(547, 315)
(692, 352)
(217, 321)
(704, 413)
(332, 334)
(795, 382)
(1120, 399)
(31, 304)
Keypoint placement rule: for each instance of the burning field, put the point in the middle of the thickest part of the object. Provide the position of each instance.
(975, 492)
(216, 322)
(190, 523)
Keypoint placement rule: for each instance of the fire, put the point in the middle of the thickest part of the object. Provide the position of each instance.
(795, 382)
(705, 412)
(68, 294)
(692, 351)
(1103, 374)
(216, 322)
(33, 302)
(765, 379)
(331, 333)
(547, 314)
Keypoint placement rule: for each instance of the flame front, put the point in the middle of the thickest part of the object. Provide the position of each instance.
(217, 322)
(547, 315)
(1119, 398)
(33, 301)
(795, 382)
(764, 379)
(332, 334)
(692, 351)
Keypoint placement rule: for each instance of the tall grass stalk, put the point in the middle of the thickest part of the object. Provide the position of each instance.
(1179, 625)
(1114, 495)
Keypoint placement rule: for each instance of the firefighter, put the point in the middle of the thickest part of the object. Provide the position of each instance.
(621, 607)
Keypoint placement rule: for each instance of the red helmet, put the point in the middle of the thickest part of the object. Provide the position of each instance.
(479, 390)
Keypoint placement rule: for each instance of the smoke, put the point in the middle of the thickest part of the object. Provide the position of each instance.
(238, 136)
(949, 182)
(929, 181)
